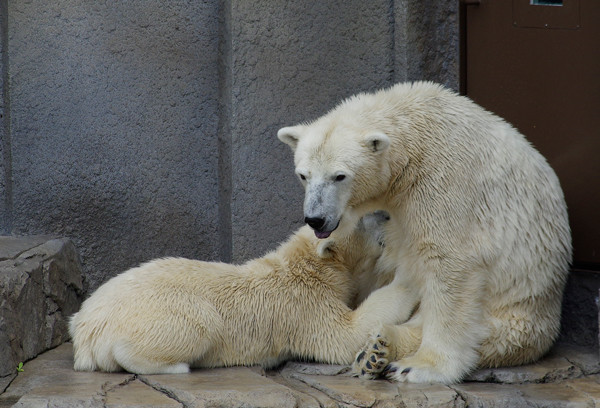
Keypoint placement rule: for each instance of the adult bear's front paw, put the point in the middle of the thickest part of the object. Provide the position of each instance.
(372, 361)
(416, 369)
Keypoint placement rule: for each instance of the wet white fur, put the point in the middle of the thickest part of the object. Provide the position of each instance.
(478, 228)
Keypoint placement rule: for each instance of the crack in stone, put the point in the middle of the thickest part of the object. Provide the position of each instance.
(584, 372)
(9, 383)
(461, 398)
(105, 389)
(489, 378)
(306, 395)
(559, 375)
(287, 382)
(168, 393)
(334, 397)
(590, 397)
(460, 395)
(18, 255)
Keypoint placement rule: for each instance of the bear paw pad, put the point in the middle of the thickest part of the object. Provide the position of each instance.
(372, 360)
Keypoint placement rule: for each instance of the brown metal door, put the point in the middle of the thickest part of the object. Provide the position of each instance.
(536, 63)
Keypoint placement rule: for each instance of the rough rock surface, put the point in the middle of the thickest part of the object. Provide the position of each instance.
(568, 377)
(40, 287)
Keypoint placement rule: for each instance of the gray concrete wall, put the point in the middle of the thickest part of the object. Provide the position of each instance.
(292, 62)
(147, 128)
(427, 39)
(5, 159)
(113, 110)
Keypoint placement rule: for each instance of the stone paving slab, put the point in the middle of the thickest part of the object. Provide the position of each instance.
(235, 386)
(560, 364)
(568, 377)
(49, 380)
(136, 394)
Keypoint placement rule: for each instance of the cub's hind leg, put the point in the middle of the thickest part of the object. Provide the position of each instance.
(136, 361)
(168, 348)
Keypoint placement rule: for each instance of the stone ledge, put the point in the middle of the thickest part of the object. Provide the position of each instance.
(566, 378)
(40, 287)
(562, 363)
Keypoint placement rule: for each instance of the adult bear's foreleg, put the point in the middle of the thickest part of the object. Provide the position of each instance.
(453, 328)
(439, 344)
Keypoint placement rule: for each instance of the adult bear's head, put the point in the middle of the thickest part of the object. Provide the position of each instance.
(341, 164)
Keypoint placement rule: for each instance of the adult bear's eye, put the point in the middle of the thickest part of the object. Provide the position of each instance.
(302, 177)
(340, 177)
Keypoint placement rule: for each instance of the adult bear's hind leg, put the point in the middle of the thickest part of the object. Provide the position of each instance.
(521, 332)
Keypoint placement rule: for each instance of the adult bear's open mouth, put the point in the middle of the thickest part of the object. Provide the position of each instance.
(322, 232)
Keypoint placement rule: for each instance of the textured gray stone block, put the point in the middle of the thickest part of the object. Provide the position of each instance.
(40, 287)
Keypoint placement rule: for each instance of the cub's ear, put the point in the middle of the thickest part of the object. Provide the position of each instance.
(377, 142)
(290, 135)
(325, 248)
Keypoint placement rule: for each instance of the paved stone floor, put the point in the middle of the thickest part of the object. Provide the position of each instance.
(568, 377)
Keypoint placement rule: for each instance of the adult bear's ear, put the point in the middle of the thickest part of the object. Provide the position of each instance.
(290, 135)
(377, 142)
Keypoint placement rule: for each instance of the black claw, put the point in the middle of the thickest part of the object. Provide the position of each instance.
(406, 370)
(389, 369)
(362, 372)
(368, 365)
(375, 346)
(361, 356)
(373, 358)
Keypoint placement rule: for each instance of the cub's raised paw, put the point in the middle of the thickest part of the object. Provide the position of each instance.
(372, 360)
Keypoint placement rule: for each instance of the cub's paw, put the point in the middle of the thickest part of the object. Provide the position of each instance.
(372, 360)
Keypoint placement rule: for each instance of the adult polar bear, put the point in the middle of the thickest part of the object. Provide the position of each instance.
(478, 228)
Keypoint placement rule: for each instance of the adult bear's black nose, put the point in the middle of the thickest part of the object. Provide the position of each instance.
(315, 223)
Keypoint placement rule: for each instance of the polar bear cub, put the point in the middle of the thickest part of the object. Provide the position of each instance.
(171, 313)
(478, 228)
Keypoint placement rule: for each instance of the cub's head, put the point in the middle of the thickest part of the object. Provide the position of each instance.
(360, 249)
(341, 165)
